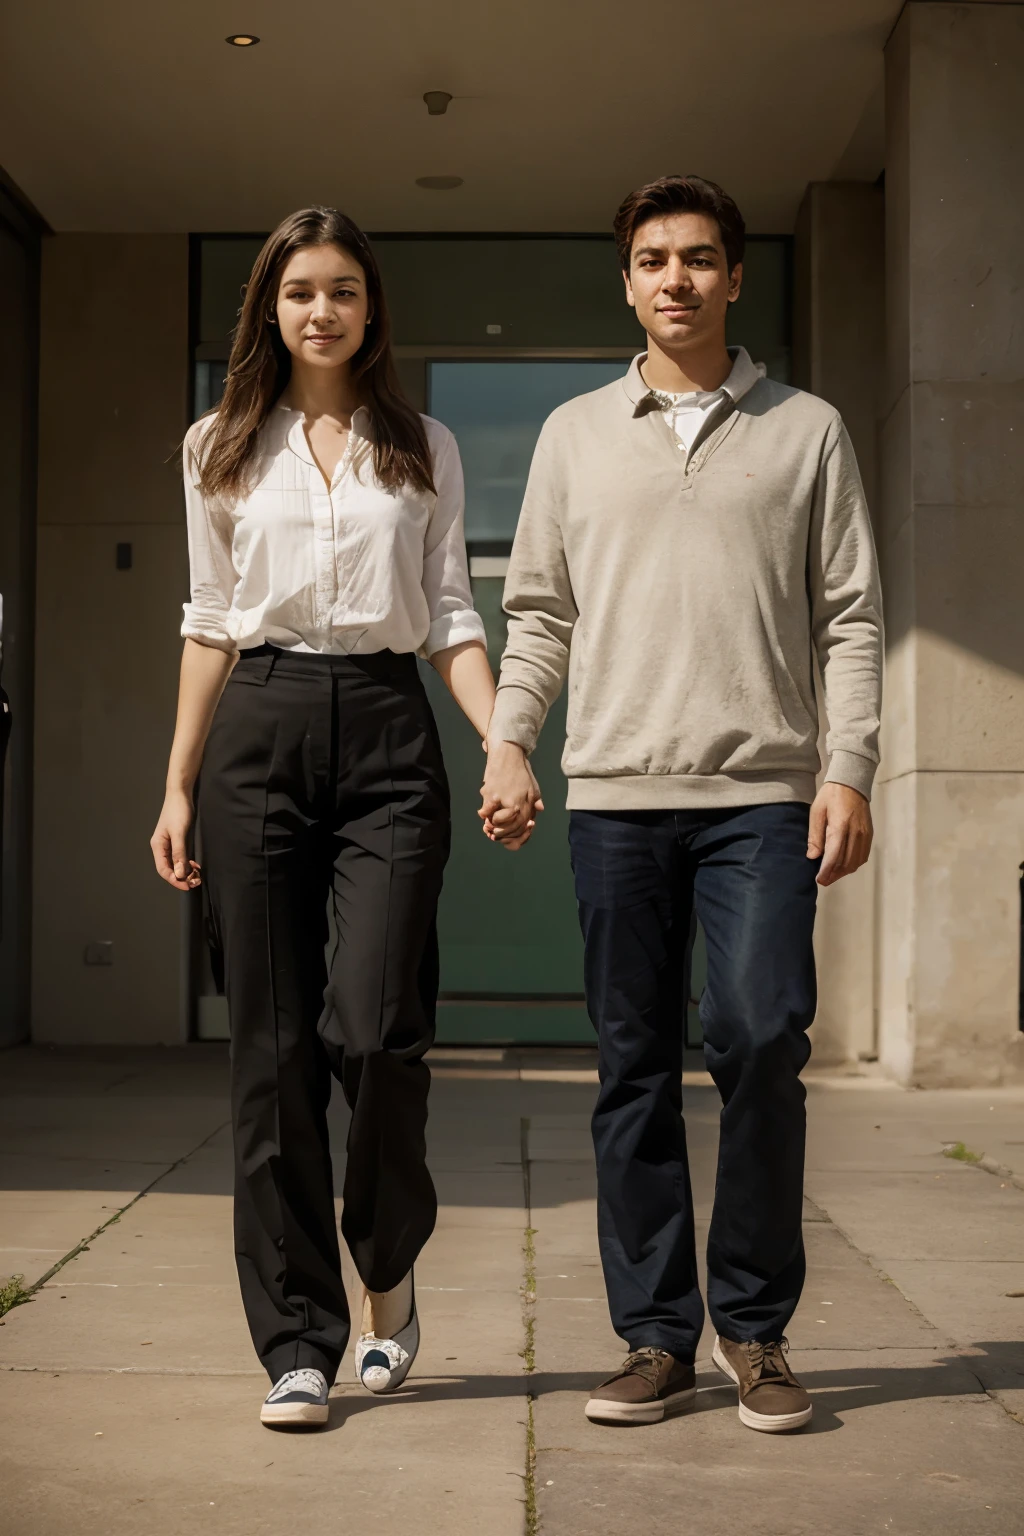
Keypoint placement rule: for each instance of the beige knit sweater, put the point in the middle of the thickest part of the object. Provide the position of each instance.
(685, 595)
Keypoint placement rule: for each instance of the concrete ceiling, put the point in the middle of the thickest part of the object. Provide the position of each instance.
(127, 116)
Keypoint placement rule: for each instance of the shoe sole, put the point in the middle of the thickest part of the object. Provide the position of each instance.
(767, 1423)
(294, 1415)
(601, 1410)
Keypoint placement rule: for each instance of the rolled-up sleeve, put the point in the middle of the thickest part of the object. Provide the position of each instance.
(446, 587)
(212, 574)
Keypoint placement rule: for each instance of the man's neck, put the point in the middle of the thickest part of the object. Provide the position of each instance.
(683, 372)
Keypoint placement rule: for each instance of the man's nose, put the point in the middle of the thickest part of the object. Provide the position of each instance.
(677, 275)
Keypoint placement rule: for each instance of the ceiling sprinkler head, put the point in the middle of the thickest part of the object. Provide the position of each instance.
(437, 102)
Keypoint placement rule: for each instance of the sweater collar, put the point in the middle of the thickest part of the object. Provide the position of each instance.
(743, 375)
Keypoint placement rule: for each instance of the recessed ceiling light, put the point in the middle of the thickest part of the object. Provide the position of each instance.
(439, 183)
(437, 102)
(242, 39)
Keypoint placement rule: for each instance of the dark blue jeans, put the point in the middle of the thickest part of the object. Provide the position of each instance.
(639, 878)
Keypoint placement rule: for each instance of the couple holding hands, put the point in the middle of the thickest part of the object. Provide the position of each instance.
(693, 543)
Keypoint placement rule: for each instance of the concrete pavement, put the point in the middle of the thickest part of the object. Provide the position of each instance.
(129, 1394)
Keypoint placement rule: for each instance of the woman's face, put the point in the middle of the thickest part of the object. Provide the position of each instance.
(322, 306)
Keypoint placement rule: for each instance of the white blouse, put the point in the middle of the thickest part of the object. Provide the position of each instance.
(353, 569)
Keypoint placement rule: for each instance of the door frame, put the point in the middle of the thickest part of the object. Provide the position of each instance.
(426, 354)
(23, 225)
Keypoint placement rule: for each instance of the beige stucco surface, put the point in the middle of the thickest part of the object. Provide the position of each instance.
(952, 545)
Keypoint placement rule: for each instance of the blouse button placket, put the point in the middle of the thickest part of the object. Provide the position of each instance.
(325, 590)
(328, 575)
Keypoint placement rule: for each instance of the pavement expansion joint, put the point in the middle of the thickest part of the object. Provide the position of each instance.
(115, 1216)
(529, 1307)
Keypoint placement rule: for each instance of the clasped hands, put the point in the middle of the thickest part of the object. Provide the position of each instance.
(511, 796)
(840, 831)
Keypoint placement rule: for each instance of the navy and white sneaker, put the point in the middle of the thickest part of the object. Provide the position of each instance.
(298, 1400)
(383, 1364)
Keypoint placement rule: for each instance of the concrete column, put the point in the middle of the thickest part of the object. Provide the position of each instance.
(839, 346)
(112, 411)
(951, 795)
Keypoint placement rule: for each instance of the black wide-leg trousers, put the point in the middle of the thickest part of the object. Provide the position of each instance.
(323, 781)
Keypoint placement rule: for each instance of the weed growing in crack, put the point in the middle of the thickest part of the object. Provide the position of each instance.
(13, 1294)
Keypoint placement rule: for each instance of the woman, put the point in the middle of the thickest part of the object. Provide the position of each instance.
(325, 523)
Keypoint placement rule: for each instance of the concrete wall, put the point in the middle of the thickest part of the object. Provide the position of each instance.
(951, 796)
(113, 399)
(839, 346)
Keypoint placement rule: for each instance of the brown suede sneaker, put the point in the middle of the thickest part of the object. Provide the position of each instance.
(650, 1385)
(771, 1398)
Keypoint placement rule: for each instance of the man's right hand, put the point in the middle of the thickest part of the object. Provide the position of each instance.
(511, 796)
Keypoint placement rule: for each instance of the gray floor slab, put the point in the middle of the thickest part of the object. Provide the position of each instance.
(896, 1446)
(128, 1389)
(40, 1220)
(103, 1455)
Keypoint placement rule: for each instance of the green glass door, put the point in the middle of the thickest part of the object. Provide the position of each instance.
(511, 954)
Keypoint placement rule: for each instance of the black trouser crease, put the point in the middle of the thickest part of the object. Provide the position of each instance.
(323, 781)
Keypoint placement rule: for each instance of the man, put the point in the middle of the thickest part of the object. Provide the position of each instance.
(691, 538)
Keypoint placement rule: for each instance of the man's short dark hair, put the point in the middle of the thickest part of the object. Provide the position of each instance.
(680, 194)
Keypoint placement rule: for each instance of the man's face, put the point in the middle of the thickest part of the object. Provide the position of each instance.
(678, 280)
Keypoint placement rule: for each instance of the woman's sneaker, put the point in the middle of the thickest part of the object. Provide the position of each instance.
(384, 1353)
(650, 1385)
(771, 1398)
(297, 1401)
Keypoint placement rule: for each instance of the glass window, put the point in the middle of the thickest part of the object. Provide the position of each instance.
(495, 292)
(496, 410)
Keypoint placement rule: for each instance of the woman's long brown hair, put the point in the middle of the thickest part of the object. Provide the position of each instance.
(260, 366)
